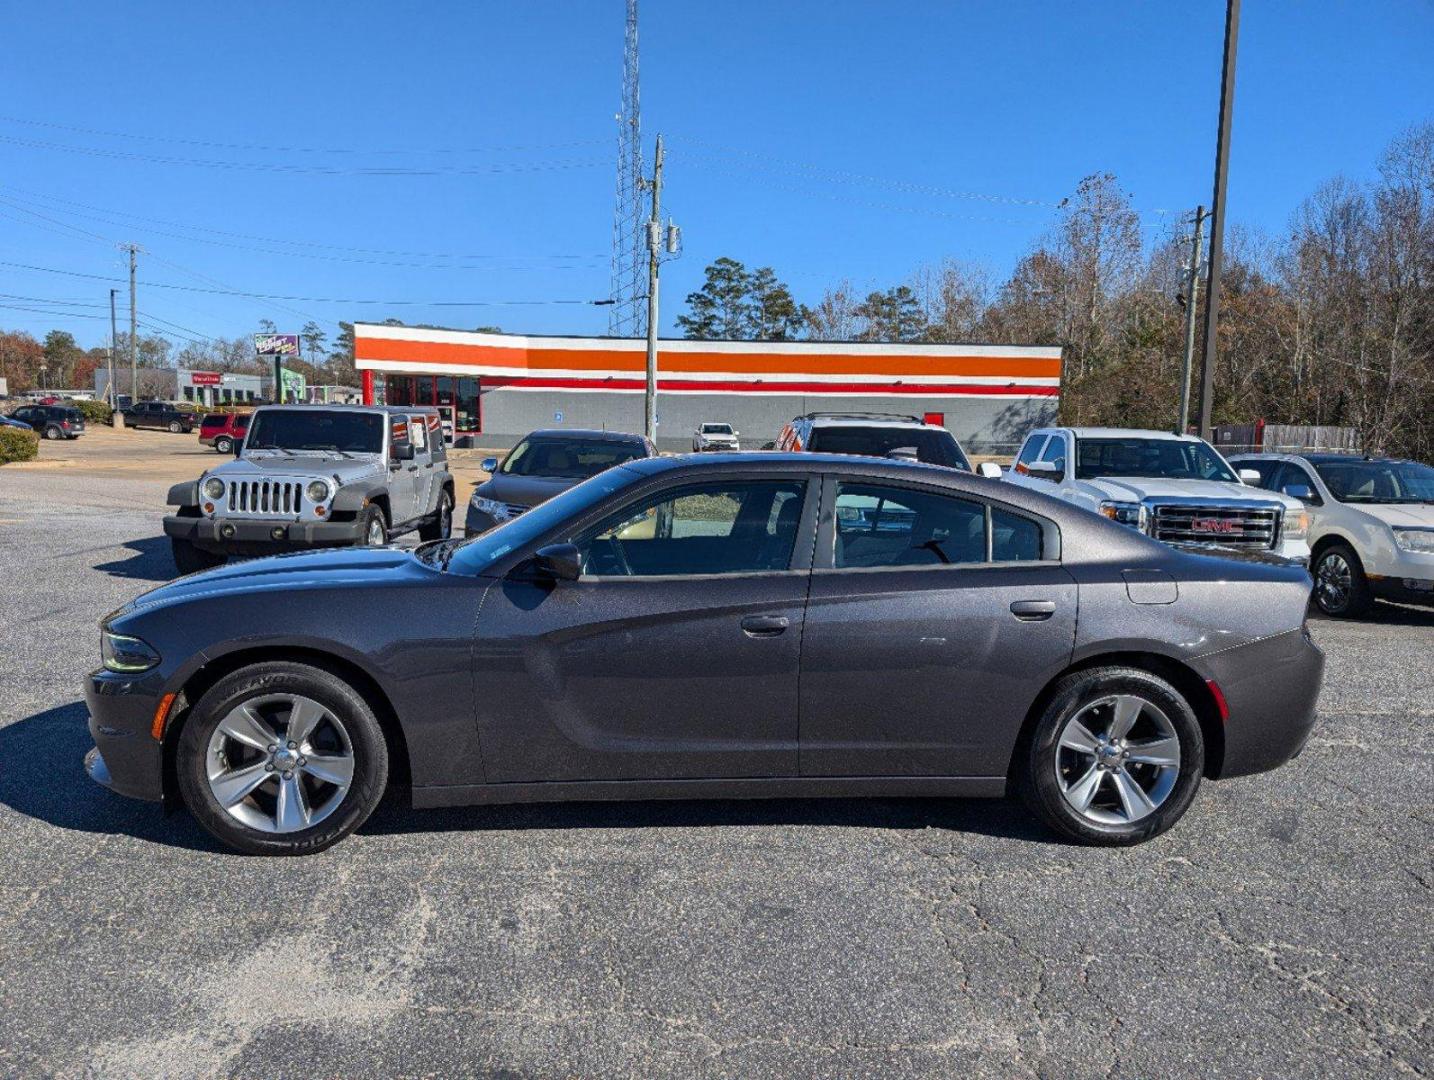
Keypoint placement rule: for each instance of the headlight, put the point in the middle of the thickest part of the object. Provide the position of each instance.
(1417, 540)
(126, 654)
(1127, 513)
(214, 488)
(1297, 525)
(317, 491)
(494, 509)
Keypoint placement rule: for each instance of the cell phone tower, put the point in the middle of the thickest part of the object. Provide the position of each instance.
(627, 316)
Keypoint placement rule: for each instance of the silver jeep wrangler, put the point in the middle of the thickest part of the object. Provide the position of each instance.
(310, 476)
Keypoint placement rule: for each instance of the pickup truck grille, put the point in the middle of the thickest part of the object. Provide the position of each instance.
(1237, 526)
(278, 497)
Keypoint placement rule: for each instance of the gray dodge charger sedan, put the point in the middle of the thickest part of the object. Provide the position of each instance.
(726, 626)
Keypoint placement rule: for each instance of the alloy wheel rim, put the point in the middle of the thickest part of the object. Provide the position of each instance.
(1334, 581)
(280, 763)
(1117, 760)
(376, 535)
(445, 519)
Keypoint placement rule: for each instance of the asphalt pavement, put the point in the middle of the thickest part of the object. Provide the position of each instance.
(1283, 929)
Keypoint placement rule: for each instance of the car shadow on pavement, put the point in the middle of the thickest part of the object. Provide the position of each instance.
(42, 776)
(151, 560)
(1383, 613)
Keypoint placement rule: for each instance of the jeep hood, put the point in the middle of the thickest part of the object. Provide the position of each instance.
(1135, 488)
(271, 465)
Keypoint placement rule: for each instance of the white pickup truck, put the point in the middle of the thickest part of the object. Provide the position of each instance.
(1176, 488)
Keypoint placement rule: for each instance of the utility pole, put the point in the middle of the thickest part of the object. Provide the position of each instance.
(133, 329)
(114, 343)
(1192, 293)
(1217, 216)
(654, 248)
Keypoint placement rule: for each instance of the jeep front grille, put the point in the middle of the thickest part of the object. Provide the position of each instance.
(1237, 526)
(282, 498)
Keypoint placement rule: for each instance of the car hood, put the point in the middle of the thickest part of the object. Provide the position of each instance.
(329, 568)
(524, 490)
(267, 465)
(1135, 488)
(1400, 515)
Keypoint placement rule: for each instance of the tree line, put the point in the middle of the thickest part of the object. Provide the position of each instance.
(1329, 322)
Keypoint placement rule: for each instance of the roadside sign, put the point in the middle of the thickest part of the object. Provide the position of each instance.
(276, 344)
(205, 378)
(558, 417)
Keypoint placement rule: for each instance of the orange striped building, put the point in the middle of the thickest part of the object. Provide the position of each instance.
(495, 388)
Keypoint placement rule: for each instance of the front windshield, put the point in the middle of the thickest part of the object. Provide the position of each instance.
(1378, 481)
(574, 459)
(476, 555)
(716, 429)
(1173, 459)
(316, 429)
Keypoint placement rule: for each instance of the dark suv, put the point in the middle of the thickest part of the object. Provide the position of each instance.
(158, 414)
(874, 435)
(52, 421)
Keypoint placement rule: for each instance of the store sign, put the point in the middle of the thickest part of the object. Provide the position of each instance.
(276, 344)
(205, 378)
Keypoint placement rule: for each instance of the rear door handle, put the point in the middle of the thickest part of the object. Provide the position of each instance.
(765, 625)
(1033, 610)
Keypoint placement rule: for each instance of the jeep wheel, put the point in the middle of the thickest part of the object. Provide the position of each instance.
(53, 432)
(175, 427)
(224, 445)
(440, 525)
(190, 559)
(375, 528)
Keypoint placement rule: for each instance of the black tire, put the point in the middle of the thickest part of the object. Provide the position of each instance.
(190, 559)
(370, 757)
(1036, 761)
(1341, 589)
(54, 431)
(367, 536)
(223, 445)
(440, 525)
(175, 427)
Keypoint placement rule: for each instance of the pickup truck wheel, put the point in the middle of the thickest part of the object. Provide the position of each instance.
(1115, 758)
(375, 528)
(175, 427)
(190, 559)
(281, 759)
(53, 432)
(440, 525)
(1341, 589)
(223, 445)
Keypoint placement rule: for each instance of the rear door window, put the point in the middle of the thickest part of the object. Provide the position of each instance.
(882, 526)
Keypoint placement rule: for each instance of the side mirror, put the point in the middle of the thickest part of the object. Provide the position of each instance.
(1046, 470)
(489, 464)
(1250, 476)
(402, 451)
(989, 469)
(561, 562)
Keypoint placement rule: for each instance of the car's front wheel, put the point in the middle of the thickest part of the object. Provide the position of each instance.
(1341, 590)
(374, 531)
(440, 525)
(1115, 758)
(189, 559)
(282, 759)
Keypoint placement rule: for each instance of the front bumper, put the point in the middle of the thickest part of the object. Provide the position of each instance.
(241, 535)
(480, 521)
(1271, 687)
(126, 757)
(1402, 590)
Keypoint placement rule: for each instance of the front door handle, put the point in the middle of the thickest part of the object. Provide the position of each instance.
(1033, 610)
(764, 625)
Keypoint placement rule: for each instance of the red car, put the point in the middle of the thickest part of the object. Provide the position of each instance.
(223, 431)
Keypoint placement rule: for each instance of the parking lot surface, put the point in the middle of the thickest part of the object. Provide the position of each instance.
(1282, 929)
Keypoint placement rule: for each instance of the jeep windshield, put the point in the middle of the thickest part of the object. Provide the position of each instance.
(1173, 459)
(316, 429)
(934, 446)
(574, 459)
(1359, 481)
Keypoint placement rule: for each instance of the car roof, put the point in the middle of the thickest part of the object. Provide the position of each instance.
(864, 420)
(1119, 433)
(585, 433)
(1325, 457)
(786, 461)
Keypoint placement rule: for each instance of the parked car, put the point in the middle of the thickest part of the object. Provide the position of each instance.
(643, 635)
(223, 431)
(317, 476)
(714, 436)
(1176, 488)
(158, 414)
(52, 421)
(1373, 525)
(874, 435)
(6, 421)
(543, 464)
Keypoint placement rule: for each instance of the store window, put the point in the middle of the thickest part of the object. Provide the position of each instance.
(468, 414)
(400, 390)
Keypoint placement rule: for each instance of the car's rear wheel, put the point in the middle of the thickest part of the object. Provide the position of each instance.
(1114, 759)
(190, 559)
(224, 445)
(54, 431)
(282, 759)
(440, 525)
(175, 427)
(1341, 589)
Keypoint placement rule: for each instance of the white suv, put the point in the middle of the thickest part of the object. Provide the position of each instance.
(714, 436)
(1176, 488)
(1373, 529)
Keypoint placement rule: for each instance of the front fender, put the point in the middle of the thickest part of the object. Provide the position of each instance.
(353, 497)
(185, 494)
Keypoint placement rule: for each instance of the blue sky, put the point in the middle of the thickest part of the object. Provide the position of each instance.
(830, 140)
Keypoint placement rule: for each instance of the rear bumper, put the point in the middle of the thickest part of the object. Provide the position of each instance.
(1271, 687)
(126, 757)
(239, 536)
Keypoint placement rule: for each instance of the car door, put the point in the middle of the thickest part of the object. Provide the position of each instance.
(403, 475)
(933, 619)
(675, 654)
